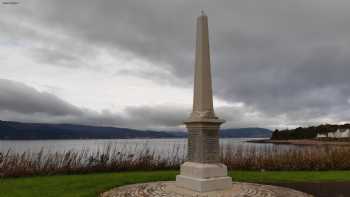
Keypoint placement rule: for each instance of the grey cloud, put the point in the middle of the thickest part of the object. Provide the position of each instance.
(42, 43)
(154, 75)
(159, 116)
(20, 102)
(280, 58)
(21, 98)
(56, 57)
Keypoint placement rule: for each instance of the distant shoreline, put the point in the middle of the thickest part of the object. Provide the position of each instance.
(150, 138)
(302, 142)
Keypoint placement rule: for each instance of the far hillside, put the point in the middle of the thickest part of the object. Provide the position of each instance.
(33, 131)
(246, 133)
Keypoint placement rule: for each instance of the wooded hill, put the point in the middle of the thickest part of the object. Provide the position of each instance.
(307, 132)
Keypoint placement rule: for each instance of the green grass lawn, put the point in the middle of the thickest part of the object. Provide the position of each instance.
(90, 185)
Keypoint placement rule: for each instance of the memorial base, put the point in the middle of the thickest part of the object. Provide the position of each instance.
(203, 177)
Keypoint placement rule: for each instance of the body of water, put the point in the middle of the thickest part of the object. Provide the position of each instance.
(159, 146)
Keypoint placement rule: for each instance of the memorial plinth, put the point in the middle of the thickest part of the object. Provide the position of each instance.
(203, 172)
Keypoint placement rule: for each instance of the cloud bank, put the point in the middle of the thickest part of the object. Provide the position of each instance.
(286, 61)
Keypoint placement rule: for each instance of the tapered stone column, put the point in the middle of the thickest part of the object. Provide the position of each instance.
(203, 171)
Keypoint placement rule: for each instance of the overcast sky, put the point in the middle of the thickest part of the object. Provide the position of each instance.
(275, 63)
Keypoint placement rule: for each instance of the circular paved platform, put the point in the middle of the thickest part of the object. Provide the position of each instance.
(169, 189)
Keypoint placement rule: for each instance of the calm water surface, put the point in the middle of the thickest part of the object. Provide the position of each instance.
(159, 146)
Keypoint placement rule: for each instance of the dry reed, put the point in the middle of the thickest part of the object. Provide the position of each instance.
(239, 157)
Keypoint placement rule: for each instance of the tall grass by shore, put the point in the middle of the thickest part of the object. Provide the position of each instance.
(112, 158)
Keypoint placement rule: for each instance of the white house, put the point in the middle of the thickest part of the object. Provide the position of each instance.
(321, 135)
(339, 133)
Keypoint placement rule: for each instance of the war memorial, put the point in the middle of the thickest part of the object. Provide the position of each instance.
(202, 175)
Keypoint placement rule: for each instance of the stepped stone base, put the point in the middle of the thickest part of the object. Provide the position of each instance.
(203, 185)
(170, 189)
(203, 177)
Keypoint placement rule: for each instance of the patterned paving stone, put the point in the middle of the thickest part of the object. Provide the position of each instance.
(169, 189)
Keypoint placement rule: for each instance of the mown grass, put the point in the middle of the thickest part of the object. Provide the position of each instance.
(76, 185)
(90, 185)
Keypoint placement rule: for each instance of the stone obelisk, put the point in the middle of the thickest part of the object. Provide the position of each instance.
(203, 172)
